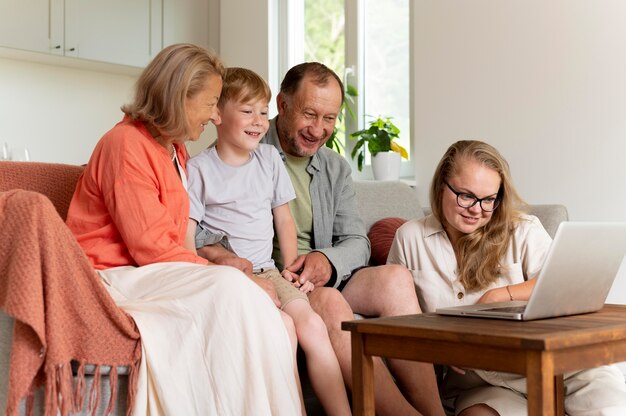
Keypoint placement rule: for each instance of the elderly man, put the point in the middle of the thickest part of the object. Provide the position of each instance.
(332, 244)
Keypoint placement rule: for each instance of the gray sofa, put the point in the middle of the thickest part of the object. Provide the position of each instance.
(376, 200)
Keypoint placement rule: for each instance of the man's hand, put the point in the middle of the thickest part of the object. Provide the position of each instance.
(219, 255)
(268, 287)
(312, 267)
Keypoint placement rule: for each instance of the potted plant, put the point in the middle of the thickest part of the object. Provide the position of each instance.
(386, 153)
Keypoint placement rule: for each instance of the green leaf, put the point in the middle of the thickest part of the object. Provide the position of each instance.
(351, 91)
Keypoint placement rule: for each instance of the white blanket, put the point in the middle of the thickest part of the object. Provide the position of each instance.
(213, 341)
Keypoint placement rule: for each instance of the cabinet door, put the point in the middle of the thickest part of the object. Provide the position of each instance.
(116, 31)
(186, 21)
(34, 25)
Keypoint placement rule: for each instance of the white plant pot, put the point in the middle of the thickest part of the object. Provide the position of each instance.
(386, 166)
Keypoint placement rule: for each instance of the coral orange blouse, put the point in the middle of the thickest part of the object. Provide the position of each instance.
(130, 206)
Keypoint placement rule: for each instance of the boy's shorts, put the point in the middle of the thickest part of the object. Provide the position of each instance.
(285, 290)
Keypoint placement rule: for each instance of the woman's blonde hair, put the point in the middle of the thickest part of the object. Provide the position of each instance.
(178, 72)
(243, 85)
(479, 253)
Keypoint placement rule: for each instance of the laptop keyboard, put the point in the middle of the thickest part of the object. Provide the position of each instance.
(508, 309)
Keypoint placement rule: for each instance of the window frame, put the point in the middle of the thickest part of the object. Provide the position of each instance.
(290, 44)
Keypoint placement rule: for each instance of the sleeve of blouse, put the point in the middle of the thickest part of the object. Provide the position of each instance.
(135, 197)
(535, 245)
(397, 251)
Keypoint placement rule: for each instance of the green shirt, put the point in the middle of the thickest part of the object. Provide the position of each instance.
(338, 230)
(300, 207)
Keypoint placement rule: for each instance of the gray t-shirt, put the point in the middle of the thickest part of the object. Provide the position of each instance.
(237, 201)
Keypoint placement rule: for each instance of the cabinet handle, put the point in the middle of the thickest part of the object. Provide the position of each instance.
(71, 49)
(56, 47)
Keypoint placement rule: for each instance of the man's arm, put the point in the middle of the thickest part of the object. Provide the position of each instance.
(340, 243)
(349, 248)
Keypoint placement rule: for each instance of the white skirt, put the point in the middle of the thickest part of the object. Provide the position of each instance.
(213, 342)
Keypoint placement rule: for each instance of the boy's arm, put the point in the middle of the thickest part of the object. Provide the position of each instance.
(190, 236)
(286, 232)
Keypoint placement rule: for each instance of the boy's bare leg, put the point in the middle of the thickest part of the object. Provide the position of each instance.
(291, 331)
(322, 365)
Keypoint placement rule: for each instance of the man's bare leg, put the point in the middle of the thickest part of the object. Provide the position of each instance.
(334, 309)
(389, 291)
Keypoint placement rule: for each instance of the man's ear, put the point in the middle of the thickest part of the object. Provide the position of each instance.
(281, 103)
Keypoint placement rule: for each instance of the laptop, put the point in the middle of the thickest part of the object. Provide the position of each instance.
(578, 272)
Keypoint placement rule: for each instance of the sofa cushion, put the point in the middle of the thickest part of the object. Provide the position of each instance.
(384, 199)
(381, 236)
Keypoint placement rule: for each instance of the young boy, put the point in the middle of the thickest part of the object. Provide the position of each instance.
(239, 190)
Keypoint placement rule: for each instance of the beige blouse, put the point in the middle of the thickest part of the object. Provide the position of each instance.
(423, 247)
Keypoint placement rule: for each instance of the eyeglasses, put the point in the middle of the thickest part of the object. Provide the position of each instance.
(465, 200)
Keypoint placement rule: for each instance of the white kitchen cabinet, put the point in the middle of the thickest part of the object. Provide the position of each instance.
(187, 21)
(127, 32)
(117, 31)
(33, 25)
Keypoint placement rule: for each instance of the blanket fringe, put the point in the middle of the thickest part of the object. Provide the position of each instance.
(94, 393)
(113, 387)
(65, 393)
(80, 387)
(133, 376)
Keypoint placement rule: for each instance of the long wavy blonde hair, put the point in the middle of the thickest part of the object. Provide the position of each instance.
(480, 253)
(178, 72)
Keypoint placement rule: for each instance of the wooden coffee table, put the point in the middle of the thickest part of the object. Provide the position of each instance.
(542, 350)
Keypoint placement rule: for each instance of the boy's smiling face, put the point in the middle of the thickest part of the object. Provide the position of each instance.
(243, 124)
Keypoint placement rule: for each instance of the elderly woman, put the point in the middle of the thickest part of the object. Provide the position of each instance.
(213, 341)
(477, 247)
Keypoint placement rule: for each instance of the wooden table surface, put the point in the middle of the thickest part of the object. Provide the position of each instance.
(541, 349)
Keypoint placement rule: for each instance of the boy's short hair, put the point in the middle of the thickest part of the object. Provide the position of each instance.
(243, 85)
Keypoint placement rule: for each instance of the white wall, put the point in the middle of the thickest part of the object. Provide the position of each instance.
(543, 81)
(59, 113)
(244, 34)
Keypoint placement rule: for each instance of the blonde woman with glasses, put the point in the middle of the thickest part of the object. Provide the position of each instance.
(478, 247)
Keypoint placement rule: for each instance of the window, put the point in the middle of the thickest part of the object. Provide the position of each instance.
(367, 43)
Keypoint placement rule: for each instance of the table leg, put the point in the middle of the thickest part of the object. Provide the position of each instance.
(540, 384)
(362, 379)
(559, 392)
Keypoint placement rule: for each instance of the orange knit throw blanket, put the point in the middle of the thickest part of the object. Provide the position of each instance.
(62, 311)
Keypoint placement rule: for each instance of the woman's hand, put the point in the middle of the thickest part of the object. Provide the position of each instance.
(499, 294)
(519, 291)
(216, 254)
